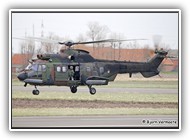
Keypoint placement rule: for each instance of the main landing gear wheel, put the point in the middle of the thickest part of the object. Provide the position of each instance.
(73, 89)
(92, 91)
(36, 92)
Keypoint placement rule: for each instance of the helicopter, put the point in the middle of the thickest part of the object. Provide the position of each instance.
(76, 67)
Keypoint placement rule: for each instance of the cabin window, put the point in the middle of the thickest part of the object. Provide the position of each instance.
(41, 67)
(64, 69)
(58, 69)
(88, 69)
(101, 70)
(77, 68)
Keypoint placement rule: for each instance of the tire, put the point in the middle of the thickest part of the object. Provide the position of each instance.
(92, 91)
(73, 89)
(36, 92)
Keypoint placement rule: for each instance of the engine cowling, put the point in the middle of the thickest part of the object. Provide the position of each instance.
(71, 57)
(44, 56)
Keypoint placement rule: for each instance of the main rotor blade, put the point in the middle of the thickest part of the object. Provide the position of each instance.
(21, 38)
(39, 39)
(107, 40)
(45, 40)
(70, 43)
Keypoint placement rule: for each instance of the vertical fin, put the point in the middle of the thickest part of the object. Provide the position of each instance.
(154, 64)
(157, 59)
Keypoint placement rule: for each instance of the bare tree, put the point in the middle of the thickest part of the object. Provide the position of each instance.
(118, 44)
(27, 47)
(27, 51)
(96, 32)
(50, 47)
(81, 38)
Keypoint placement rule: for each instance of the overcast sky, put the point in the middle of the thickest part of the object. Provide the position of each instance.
(70, 25)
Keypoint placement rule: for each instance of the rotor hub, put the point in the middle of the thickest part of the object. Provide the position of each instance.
(69, 43)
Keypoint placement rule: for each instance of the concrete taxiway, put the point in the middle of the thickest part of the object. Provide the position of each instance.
(96, 121)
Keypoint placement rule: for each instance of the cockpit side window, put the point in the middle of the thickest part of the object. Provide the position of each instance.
(34, 67)
(43, 67)
(39, 67)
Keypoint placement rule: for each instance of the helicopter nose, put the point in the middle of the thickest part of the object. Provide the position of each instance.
(22, 76)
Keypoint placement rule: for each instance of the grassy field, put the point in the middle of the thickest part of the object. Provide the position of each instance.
(144, 84)
(86, 111)
(124, 97)
(128, 97)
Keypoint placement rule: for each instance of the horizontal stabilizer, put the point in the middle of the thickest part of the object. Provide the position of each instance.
(150, 74)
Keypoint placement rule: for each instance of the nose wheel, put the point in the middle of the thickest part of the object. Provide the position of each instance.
(35, 91)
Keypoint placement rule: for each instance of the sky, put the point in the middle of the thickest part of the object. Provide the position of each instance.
(70, 25)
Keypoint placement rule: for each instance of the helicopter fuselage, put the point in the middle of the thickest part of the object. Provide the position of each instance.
(77, 67)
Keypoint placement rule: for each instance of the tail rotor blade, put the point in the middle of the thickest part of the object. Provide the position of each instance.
(157, 39)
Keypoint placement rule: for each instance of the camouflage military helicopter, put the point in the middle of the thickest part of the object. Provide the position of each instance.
(75, 67)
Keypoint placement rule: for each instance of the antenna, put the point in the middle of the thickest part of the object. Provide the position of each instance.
(42, 29)
(42, 34)
(33, 30)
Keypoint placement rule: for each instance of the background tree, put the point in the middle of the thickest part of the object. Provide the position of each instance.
(81, 37)
(51, 47)
(97, 32)
(27, 51)
(28, 47)
(116, 45)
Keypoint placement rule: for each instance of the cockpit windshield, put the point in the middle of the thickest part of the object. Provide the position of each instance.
(36, 67)
(28, 67)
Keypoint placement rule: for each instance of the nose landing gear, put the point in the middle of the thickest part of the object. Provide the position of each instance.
(35, 91)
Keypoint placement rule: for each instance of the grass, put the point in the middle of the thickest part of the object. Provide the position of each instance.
(86, 111)
(143, 84)
(124, 97)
